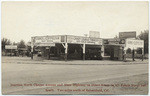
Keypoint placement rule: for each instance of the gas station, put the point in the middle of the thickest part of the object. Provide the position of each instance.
(70, 47)
(64, 47)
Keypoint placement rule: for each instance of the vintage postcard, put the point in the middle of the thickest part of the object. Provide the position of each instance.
(75, 47)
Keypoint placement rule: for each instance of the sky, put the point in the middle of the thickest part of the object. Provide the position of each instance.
(22, 20)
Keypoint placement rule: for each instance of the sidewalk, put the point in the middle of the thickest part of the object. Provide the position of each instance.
(28, 60)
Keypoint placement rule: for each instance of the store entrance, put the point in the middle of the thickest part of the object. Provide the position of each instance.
(93, 52)
(75, 52)
(113, 52)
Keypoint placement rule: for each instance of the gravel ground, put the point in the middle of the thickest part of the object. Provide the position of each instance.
(80, 77)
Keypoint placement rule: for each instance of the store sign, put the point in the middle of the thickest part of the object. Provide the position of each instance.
(45, 44)
(124, 35)
(10, 46)
(134, 44)
(94, 34)
(112, 41)
(45, 39)
(84, 40)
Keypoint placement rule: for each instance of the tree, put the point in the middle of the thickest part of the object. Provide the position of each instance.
(144, 36)
(14, 43)
(4, 42)
(21, 44)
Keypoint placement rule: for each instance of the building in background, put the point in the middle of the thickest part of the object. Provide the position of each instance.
(126, 46)
(11, 50)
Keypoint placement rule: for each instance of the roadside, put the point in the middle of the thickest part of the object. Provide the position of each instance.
(27, 60)
(17, 71)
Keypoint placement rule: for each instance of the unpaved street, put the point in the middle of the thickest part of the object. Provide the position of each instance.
(23, 70)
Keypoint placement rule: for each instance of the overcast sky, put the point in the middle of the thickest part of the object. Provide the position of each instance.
(22, 20)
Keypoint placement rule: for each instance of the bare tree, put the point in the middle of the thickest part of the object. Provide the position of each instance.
(4, 42)
(144, 36)
(21, 44)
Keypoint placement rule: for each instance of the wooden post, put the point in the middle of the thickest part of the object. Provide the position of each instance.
(133, 53)
(124, 55)
(11, 53)
(120, 57)
(102, 49)
(66, 51)
(32, 47)
(83, 51)
(32, 51)
(49, 53)
(142, 54)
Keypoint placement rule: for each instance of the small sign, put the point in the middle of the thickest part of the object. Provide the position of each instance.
(45, 44)
(94, 34)
(134, 44)
(84, 40)
(45, 39)
(125, 35)
(112, 41)
(10, 46)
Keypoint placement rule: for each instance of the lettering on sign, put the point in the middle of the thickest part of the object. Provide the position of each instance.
(124, 35)
(134, 43)
(10, 46)
(45, 44)
(84, 40)
(45, 39)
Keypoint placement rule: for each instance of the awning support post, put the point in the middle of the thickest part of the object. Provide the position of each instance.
(124, 55)
(49, 53)
(32, 52)
(133, 53)
(83, 51)
(102, 49)
(142, 54)
(66, 51)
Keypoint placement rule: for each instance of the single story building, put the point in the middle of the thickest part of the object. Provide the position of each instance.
(67, 47)
(87, 48)
(10, 50)
(120, 49)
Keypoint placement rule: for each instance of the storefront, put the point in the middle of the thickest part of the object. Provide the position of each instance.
(67, 47)
(121, 49)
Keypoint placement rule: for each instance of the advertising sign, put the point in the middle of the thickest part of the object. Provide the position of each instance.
(84, 40)
(45, 44)
(94, 34)
(45, 40)
(124, 35)
(134, 44)
(10, 46)
(114, 41)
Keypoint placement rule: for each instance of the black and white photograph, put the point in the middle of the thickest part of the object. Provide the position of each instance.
(75, 47)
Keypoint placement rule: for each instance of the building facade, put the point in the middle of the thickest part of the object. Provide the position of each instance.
(67, 47)
(64, 47)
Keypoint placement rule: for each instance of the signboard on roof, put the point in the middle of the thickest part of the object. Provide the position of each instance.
(46, 39)
(50, 40)
(84, 40)
(10, 46)
(114, 41)
(124, 35)
(94, 34)
(134, 44)
(45, 44)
